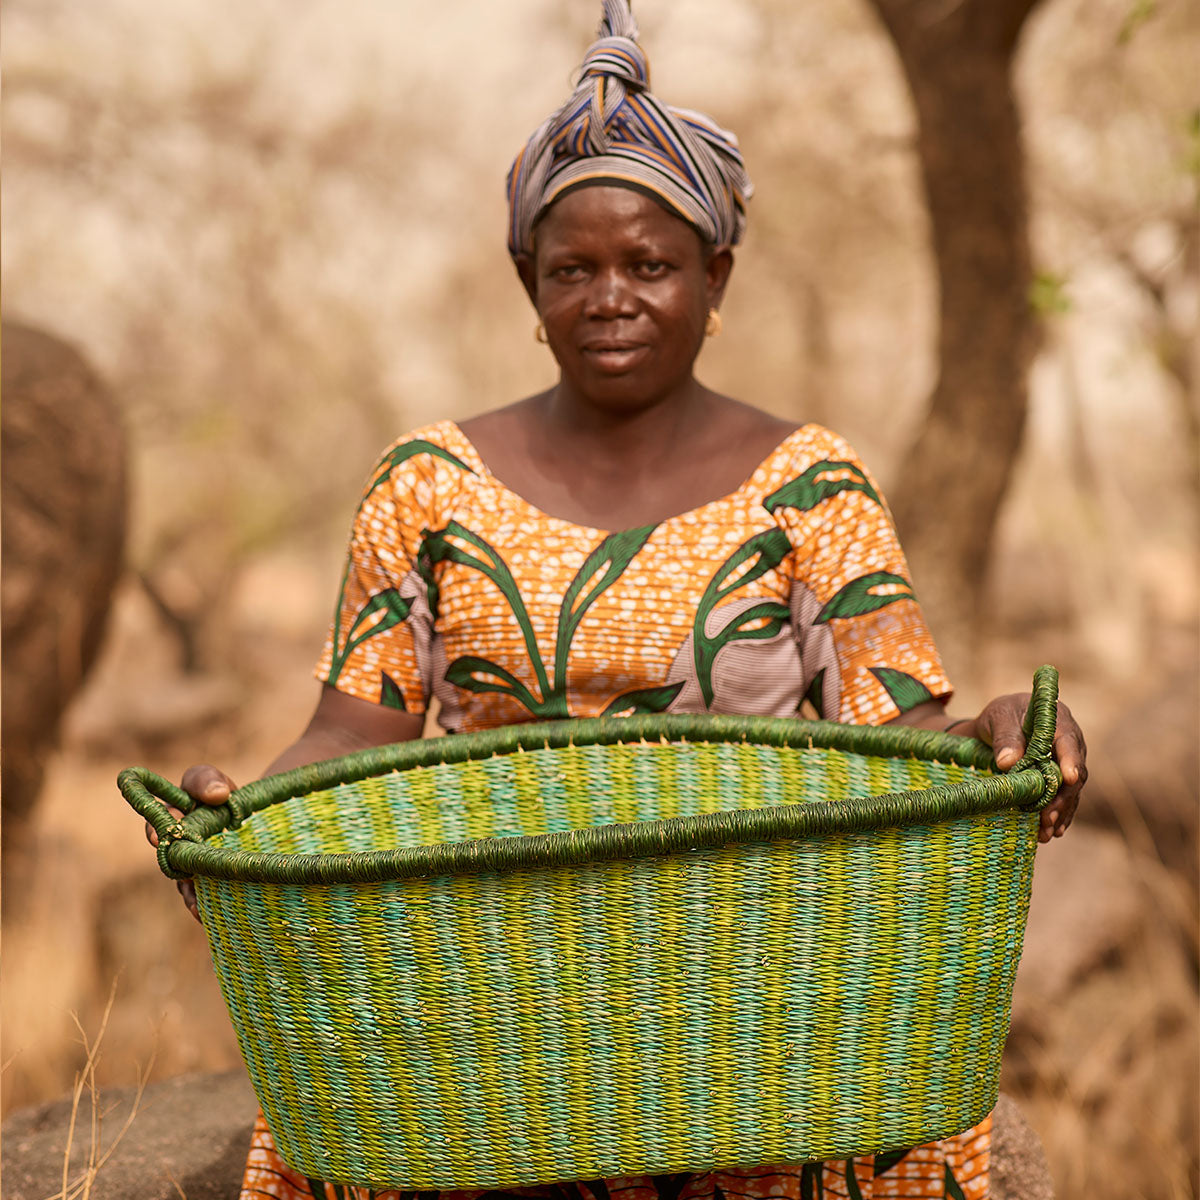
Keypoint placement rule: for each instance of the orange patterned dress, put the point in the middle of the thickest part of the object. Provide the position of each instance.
(791, 591)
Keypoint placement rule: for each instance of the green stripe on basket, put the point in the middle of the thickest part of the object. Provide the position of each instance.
(529, 918)
(619, 1101)
(726, 914)
(579, 806)
(939, 862)
(401, 1029)
(882, 928)
(421, 787)
(653, 982)
(579, 905)
(281, 1078)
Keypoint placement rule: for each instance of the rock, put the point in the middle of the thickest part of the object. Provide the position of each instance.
(189, 1137)
(62, 494)
(1019, 1170)
(191, 1133)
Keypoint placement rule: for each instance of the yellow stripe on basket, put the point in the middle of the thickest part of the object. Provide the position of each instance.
(530, 936)
(662, 764)
(336, 1045)
(746, 765)
(878, 777)
(574, 899)
(941, 849)
(475, 797)
(576, 773)
(524, 788)
(970, 1017)
(671, 884)
(887, 928)
(780, 918)
(622, 784)
(826, 774)
(436, 955)
(831, 1026)
(616, 880)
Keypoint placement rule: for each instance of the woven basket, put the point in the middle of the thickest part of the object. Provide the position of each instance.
(618, 947)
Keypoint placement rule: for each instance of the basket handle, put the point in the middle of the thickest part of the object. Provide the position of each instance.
(149, 794)
(1039, 726)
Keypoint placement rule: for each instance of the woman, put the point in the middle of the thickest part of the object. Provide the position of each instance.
(631, 541)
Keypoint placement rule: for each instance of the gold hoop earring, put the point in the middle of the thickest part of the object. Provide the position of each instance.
(712, 326)
(539, 334)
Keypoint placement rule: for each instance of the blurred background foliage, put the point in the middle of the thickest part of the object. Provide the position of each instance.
(277, 233)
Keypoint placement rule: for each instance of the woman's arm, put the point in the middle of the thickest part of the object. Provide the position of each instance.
(340, 724)
(999, 725)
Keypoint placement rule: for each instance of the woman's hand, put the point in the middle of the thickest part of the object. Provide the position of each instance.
(206, 785)
(999, 725)
(340, 724)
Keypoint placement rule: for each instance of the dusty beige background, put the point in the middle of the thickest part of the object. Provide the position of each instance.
(277, 231)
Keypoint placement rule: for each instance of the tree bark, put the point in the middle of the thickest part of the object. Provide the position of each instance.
(957, 58)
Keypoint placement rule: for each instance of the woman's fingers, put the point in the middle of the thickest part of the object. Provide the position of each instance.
(188, 891)
(152, 833)
(1070, 752)
(1000, 725)
(206, 784)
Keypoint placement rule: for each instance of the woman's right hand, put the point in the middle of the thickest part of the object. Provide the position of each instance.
(339, 725)
(206, 785)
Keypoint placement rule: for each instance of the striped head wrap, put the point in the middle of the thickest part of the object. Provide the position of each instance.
(614, 130)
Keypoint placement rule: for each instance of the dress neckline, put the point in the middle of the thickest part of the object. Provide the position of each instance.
(486, 472)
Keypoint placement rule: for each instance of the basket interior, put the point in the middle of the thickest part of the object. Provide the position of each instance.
(576, 787)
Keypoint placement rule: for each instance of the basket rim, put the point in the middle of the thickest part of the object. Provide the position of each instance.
(183, 850)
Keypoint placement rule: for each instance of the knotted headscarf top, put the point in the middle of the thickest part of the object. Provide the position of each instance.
(614, 129)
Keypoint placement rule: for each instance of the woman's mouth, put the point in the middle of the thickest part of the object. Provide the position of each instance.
(612, 357)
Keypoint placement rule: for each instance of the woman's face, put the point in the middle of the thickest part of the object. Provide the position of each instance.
(623, 289)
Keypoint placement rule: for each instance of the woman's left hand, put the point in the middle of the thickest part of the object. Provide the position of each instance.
(999, 724)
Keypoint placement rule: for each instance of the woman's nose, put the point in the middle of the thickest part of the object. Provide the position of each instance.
(609, 295)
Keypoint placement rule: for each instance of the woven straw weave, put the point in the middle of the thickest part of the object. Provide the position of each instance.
(602, 948)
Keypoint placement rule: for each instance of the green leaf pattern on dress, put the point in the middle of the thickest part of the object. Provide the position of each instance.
(382, 611)
(861, 596)
(764, 552)
(403, 453)
(821, 480)
(903, 688)
(599, 571)
(547, 697)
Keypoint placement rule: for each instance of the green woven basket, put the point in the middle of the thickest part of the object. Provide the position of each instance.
(618, 947)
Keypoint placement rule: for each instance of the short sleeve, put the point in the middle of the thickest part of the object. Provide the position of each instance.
(866, 653)
(379, 646)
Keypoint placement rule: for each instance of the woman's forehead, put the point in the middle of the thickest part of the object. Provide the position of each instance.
(612, 212)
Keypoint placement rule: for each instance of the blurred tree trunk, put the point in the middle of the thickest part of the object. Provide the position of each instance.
(957, 56)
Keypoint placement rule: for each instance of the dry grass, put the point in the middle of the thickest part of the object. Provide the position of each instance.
(80, 1187)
